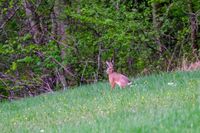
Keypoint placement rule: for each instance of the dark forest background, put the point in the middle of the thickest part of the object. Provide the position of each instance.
(49, 45)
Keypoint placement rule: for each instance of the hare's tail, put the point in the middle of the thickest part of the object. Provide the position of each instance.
(130, 84)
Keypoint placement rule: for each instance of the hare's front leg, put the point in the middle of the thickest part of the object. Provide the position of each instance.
(112, 85)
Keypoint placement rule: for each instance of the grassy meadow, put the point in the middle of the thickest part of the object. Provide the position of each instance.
(167, 102)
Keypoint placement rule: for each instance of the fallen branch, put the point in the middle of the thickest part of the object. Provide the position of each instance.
(61, 65)
(56, 61)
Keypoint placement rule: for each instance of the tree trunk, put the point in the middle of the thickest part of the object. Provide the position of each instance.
(156, 27)
(34, 21)
(58, 30)
(99, 66)
(194, 29)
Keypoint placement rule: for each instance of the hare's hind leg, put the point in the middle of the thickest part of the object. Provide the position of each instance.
(112, 85)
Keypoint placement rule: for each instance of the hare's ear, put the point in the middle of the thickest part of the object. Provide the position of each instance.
(112, 62)
(108, 64)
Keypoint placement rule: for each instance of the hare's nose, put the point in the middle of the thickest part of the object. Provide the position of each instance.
(106, 71)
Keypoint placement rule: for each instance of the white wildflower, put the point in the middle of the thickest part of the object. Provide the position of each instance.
(171, 84)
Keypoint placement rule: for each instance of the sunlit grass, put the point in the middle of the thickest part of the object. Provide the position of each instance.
(157, 103)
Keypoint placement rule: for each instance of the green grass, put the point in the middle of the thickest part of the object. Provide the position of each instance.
(157, 103)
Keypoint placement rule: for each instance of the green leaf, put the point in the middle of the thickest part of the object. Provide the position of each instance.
(14, 66)
(27, 59)
(26, 37)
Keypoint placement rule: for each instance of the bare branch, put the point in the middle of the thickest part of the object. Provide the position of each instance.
(10, 14)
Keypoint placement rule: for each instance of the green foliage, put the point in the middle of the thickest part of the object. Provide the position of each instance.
(124, 31)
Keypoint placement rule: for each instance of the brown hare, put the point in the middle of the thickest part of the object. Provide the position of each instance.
(116, 78)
